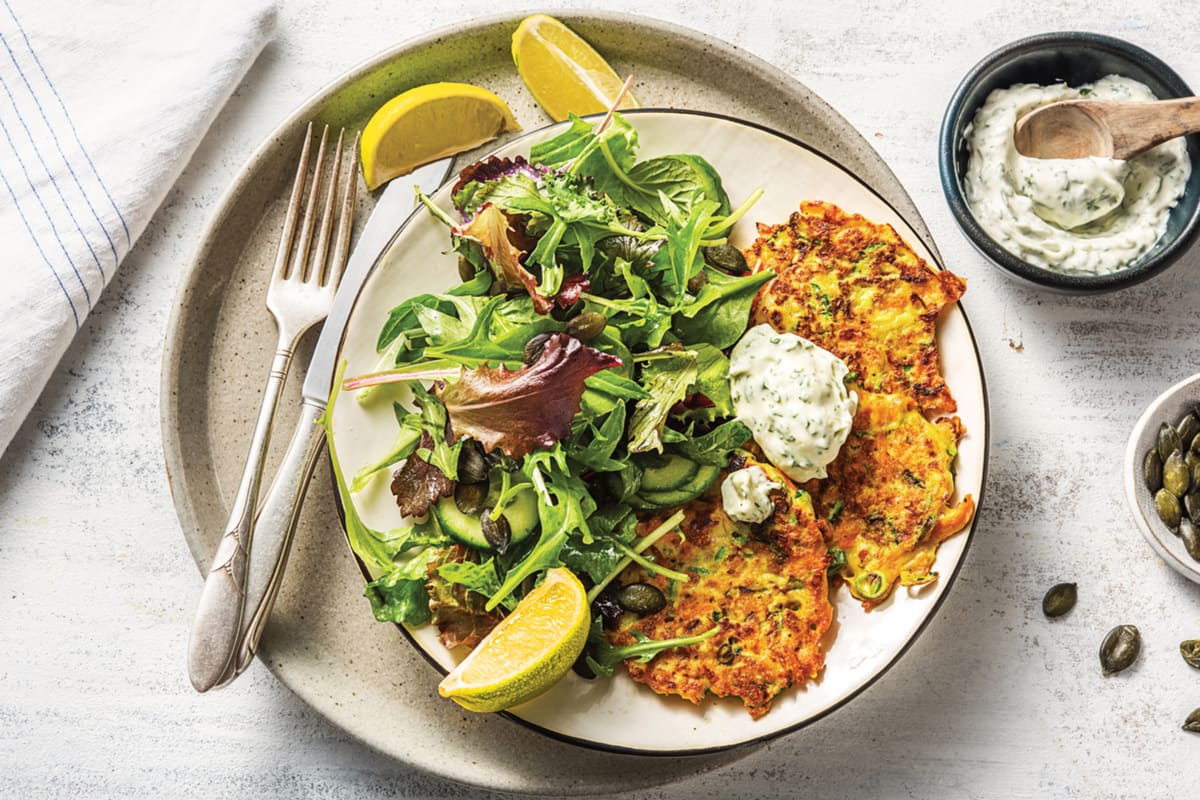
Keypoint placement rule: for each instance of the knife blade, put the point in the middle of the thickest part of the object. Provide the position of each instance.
(279, 510)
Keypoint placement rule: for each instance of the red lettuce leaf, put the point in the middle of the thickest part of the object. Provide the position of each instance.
(419, 484)
(572, 287)
(493, 229)
(493, 168)
(520, 410)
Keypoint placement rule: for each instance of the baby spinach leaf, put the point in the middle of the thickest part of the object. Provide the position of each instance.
(716, 446)
(721, 311)
(684, 180)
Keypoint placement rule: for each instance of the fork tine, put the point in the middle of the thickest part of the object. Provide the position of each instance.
(293, 210)
(297, 265)
(341, 248)
(316, 265)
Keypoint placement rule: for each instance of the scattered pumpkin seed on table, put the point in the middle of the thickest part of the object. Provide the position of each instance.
(1190, 650)
(1120, 649)
(1059, 599)
(1192, 723)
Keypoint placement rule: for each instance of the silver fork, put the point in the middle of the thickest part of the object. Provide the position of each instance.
(303, 283)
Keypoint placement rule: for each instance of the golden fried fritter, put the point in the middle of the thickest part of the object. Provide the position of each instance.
(858, 290)
(889, 493)
(765, 588)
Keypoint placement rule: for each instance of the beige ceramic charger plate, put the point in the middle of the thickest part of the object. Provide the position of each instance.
(322, 642)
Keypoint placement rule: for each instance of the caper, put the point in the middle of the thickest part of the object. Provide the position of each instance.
(469, 497)
(726, 258)
(1120, 648)
(1152, 470)
(641, 598)
(497, 531)
(697, 282)
(1059, 600)
(1192, 723)
(1167, 506)
(1168, 441)
(1191, 538)
(870, 586)
(534, 347)
(1177, 478)
(1191, 504)
(472, 466)
(466, 270)
(1190, 650)
(587, 326)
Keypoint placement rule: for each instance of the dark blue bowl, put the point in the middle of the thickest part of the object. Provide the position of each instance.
(1075, 58)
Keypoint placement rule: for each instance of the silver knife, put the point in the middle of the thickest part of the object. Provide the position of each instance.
(280, 508)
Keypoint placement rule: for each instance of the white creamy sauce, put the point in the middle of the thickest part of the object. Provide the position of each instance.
(793, 397)
(746, 494)
(1084, 216)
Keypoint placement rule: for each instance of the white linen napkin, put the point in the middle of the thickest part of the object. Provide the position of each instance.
(101, 106)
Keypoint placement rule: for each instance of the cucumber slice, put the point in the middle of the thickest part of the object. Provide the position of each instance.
(705, 475)
(669, 472)
(521, 513)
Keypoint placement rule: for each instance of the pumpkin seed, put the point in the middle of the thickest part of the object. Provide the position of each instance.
(641, 598)
(1152, 470)
(697, 281)
(587, 326)
(1190, 650)
(466, 270)
(1168, 441)
(1167, 506)
(1192, 723)
(1191, 538)
(1191, 504)
(726, 258)
(469, 497)
(1188, 427)
(472, 466)
(1059, 600)
(497, 531)
(1177, 478)
(534, 348)
(1120, 649)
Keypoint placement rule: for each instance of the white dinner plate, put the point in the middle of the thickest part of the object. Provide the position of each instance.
(619, 714)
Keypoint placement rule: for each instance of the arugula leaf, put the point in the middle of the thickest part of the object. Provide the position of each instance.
(479, 578)
(404, 445)
(667, 380)
(680, 258)
(603, 657)
(561, 513)
(721, 311)
(595, 451)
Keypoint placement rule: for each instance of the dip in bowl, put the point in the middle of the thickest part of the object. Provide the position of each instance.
(1075, 59)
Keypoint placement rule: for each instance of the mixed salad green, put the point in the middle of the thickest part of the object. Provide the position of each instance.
(577, 375)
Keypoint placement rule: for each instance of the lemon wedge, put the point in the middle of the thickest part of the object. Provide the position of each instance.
(563, 73)
(528, 652)
(427, 123)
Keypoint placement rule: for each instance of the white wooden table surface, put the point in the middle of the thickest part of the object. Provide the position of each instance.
(97, 587)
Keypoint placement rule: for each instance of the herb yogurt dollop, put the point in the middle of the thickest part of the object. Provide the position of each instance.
(792, 396)
(1089, 216)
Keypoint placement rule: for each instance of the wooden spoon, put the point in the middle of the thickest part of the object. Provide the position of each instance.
(1113, 129)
